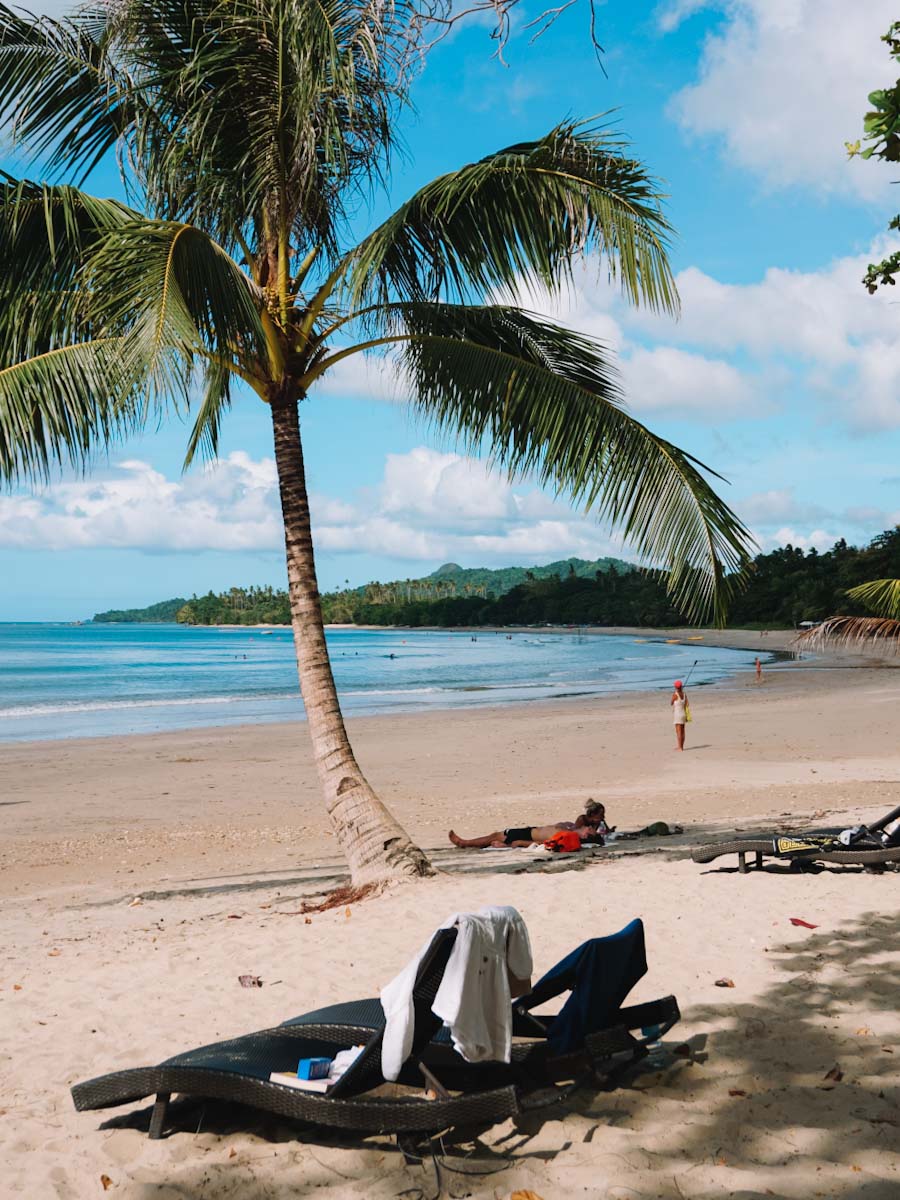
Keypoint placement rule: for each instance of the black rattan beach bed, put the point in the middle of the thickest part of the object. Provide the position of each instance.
(866, 847)
(468, 1094)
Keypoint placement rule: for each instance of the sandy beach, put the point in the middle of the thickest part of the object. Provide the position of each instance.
(141, 876)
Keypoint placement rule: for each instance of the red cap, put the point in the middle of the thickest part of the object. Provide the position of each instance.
(677, 683)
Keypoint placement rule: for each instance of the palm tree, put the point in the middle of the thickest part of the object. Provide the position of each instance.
(249, 132)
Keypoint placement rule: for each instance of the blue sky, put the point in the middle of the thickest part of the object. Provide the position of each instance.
(782, 373)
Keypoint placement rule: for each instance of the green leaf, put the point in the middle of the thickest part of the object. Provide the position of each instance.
(64, 405)
(545, 402)
(523, 215)
(882, 596)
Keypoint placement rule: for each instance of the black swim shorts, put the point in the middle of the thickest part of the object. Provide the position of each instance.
(521, 833)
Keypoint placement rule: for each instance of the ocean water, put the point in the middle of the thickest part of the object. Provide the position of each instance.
(61, 681)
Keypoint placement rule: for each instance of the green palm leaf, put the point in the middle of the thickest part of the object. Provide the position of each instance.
(216, 401)
(545, 402)
(47, 235)
(64, 405)
(69, 100)
(176, 292)
(882, 596)
(523, 215)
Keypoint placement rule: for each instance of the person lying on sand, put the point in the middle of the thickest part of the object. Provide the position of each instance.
(589, 825)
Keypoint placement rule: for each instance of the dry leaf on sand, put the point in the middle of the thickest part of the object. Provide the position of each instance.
(835, 1075)
(249, 981)
(525, 1195)
(724, 983)
(106, 1181)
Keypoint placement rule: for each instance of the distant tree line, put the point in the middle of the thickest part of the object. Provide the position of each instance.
(237, 606)
(164, 611)
(785, 587)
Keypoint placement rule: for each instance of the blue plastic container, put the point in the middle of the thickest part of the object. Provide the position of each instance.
(313, 1068)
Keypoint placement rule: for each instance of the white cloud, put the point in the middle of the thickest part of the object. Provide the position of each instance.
(673, 14)
(777, 506)
(818, 334)
(224, 506)
(678, 383)
(784, 84)
(362, 377)
(787, 535)
(428, 506)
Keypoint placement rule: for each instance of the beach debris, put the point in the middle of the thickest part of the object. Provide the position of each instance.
(835, 1075)
(17, 987)
(136, 902)
(234, 917)
(803, 924)
(249, 981)
(737, 1092)
(724, 983)
(864, 1031)
(525, 1195)
(341, 897)
(106, 1182)
(54, 953)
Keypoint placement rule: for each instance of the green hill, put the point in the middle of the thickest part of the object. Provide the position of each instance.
(164, 611)
(504, 579)
(266, 605)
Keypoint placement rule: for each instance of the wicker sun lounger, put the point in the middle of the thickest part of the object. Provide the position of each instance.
(239, 1069)
(808, 847)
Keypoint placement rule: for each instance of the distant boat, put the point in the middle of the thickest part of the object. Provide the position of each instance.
(266, 632)
(672, 641)
(640, 641)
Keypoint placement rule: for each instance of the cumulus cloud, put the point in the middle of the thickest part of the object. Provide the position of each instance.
(777, 506)
(783, 84)
(428, 506)
(817, 334)
(224, 506)
(779, 517)
(665, 379)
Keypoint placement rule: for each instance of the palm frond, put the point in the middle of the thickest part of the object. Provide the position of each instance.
(523, 215)
(254, 112)
(64, 405)
(177, 293)
(881, 596)
(873, 635)
(46, 236)
(545, 402)
(68, 100)
(215, 403)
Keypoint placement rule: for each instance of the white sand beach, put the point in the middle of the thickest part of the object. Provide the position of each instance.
(141, 876)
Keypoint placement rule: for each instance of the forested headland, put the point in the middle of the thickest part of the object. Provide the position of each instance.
(785, 587)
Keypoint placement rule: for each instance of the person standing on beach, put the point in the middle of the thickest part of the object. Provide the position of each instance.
(679, 712)
(758, 670)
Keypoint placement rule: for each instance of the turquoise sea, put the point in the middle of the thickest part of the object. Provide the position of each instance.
(61, 681)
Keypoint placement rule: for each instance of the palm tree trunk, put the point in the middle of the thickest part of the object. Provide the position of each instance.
(376, 847)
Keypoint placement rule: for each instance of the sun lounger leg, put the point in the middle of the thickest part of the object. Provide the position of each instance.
(742, 862)
(759, 860)
(158, 1116)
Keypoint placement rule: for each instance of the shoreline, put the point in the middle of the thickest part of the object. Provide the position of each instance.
(128, 810)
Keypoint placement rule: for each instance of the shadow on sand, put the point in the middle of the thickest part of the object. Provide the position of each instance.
(769, 1091)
